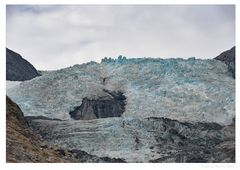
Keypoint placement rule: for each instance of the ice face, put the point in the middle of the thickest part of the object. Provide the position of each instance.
(186, 90)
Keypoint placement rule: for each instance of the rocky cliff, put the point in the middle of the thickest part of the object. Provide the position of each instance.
(228, 57)
(17, 68)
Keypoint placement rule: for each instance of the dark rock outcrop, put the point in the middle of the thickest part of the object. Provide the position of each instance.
(228, 57)
(17, 68)
(111, 105)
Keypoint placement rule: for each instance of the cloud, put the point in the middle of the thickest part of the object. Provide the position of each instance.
(57, 36)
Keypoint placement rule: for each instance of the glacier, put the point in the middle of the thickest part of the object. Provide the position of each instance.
(176, 110)
(192, 90)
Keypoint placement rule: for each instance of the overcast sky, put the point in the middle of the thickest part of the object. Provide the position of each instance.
(54, 36)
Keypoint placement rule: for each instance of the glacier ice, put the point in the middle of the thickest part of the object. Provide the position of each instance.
(183, 89)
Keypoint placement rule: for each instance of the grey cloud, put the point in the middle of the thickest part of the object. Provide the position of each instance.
(56, 36)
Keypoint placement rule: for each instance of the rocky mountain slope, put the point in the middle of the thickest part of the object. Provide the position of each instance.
(17, 68)
(24, 145)
(228, 57)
